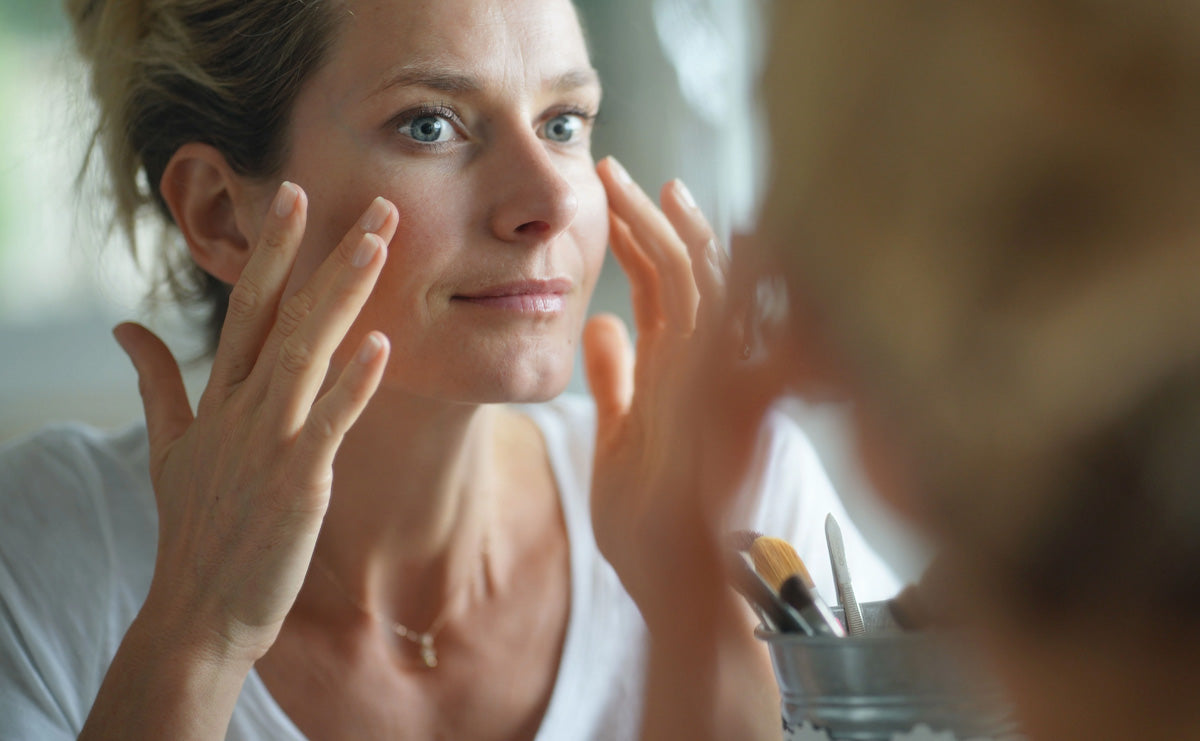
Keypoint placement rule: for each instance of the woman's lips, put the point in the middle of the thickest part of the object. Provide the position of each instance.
(526, 297)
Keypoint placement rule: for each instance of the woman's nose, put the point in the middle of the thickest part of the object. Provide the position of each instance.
(533, 201)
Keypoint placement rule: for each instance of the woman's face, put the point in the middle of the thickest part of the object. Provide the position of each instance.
(474, 118)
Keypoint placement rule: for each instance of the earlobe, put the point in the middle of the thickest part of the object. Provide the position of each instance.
(204, 194)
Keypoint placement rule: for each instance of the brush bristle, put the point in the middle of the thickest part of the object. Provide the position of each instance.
(775, 560)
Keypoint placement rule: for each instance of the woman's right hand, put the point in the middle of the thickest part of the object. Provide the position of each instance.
(242, 486)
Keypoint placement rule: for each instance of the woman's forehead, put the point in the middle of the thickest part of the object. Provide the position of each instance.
(460, 44)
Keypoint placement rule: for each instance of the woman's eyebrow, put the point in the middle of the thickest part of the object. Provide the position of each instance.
(452, 82)
(575, 79)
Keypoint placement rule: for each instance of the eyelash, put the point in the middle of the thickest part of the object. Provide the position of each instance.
(587, 115)
(437, 109)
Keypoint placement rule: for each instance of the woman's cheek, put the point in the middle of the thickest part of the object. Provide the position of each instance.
(591, 226)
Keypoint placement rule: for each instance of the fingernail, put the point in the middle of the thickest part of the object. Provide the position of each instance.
(370, 349)
(619, 171)
(118, 333)
(368, 246)
(376, 214)
(685, 195)
(285, 199)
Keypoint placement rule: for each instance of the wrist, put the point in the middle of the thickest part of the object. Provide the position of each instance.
(185, 643)
(711, 608)
(170, 626)
(165, 683)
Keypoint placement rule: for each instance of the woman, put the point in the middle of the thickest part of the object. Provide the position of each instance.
(986, 216)
(355, 534)
(999, 240)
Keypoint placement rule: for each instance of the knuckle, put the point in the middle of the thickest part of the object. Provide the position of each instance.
(245, 298)
(293, 312)
(273, 240)
(295, 355)
(322, 428)
(677, 260)
(344, 254)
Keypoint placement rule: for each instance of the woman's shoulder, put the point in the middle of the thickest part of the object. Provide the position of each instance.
(71, 443)
(75, 497)
(77, 538)
(784, 460)
(568, 426)
(793, 495)
(71, 460)
(570, 410)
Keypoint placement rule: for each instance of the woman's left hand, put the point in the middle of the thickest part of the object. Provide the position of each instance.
(676, 430)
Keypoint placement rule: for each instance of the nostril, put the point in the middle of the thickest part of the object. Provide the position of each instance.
(535, 228)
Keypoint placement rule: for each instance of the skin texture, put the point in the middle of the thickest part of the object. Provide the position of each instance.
(478, 208)
(348, 418)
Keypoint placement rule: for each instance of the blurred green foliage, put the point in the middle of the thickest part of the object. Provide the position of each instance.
(30, 16)
(19, 20)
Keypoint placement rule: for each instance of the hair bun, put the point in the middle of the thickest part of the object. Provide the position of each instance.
(104, 26)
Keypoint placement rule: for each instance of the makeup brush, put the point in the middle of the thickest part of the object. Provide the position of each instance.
(815, 616)
(777, 562)
(775, 559)
(765, 601)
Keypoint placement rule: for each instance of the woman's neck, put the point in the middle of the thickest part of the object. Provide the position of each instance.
(415, 484)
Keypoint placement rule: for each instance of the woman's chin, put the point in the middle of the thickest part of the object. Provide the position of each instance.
(522, 381)
(530, 384)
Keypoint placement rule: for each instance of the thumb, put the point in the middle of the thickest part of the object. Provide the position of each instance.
(608, 361)
(168, 412)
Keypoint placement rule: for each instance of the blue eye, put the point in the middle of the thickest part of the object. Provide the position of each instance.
(428, 129)
(563, 128)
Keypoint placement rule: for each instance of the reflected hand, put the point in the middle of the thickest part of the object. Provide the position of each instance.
(676, 430)
(243, 485)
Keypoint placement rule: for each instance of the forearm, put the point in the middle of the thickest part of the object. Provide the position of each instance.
(160, 687)
(709, 678)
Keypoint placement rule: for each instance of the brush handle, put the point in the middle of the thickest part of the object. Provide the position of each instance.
(771, 610)
(815, 615)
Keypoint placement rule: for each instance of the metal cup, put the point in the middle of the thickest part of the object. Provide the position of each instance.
(885, 683)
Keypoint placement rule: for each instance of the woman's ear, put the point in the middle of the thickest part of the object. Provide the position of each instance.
(206, 199)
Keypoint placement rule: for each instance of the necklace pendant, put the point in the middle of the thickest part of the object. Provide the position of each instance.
(428, 652)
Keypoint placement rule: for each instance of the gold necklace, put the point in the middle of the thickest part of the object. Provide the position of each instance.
(424, 638)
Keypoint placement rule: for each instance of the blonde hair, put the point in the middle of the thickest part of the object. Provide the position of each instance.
(168, 72)
(991, 207)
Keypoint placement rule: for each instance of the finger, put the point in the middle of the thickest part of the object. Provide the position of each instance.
(643, 279)
(608, 361)
(707, 258)
(380, 218)
(646, 297)
(164, 398)
(335, 412)
(255, 296)
(313, 322)
(657, 238)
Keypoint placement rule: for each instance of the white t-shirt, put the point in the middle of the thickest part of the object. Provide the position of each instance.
(77, 544)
